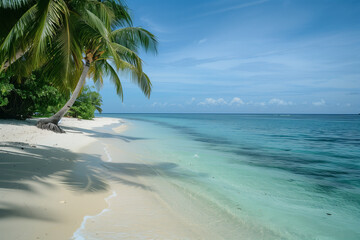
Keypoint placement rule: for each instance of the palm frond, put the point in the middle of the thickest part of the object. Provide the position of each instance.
(16, 40)
(22, 67)
(96, 73)
(102, 11)
(14, 4)
(51, 17)
(139, 78)
(144, 83)
(121, 13)
(60, 68)
(96, 23)
(127, 55)
(134, 37)
(114, 78)
(69, 50)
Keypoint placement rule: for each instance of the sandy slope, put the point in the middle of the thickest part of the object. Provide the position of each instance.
(45, 186)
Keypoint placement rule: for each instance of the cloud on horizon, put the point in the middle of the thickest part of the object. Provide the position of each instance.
(212, 101)
(319, 103)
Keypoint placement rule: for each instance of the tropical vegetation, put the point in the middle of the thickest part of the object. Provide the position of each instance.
(34, 96)
(29, 96)
(86, 104)
(69, 41)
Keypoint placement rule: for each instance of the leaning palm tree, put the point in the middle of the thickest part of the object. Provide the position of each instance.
(104, 52)
(72, 40)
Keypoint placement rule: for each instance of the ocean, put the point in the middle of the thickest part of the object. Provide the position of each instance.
(278, 176)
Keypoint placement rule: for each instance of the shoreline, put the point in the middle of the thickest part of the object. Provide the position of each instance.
(98, 182)
(148, 203)
(97, 178)
(93, 175)
(45, 187)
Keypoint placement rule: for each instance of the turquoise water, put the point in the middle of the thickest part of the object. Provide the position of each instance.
(293, 176)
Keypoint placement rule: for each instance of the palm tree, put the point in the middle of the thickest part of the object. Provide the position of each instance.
(59, 34)
(30, 26)
(105, 52)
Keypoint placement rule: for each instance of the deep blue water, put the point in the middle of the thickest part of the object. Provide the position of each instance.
(295, 175)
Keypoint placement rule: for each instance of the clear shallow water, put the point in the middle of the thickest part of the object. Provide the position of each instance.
(286, 176)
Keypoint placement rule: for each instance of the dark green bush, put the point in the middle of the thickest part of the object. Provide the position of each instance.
(35, 96)
(26, 97)
(86, 104)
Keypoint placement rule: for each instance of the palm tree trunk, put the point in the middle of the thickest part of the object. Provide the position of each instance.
(52, 122)
(18, 55)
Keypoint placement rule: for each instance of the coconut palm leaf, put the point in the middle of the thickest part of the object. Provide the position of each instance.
(16, 40)
(135, 37)
(14, 4)
(114, 78)
(50, 19)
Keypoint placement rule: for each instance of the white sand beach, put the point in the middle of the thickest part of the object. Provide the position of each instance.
(51, 186)
(37, 201)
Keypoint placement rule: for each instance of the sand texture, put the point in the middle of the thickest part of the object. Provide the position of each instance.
(46, 188)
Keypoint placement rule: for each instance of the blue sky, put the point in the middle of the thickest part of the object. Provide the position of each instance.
(247, 56)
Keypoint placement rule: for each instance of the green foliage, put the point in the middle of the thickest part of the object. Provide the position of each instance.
(5, 89)
(35, 96)
(55, 37)
(29, 96)
(57, 34)
(86, 104)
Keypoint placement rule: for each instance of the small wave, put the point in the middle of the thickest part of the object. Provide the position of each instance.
(107, 154)
(79, 234)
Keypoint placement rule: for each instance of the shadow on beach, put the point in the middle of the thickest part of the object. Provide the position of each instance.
(101, 134)
(21, 164)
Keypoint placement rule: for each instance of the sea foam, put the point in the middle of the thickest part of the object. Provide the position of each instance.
(109, 159)
(80, 233)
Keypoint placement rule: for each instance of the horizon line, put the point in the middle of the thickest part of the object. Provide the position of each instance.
(230, 113)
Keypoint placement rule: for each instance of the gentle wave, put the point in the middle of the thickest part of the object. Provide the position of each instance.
(80, 233)
(109, 159)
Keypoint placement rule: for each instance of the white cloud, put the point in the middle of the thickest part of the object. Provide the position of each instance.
(319, 103)
(256, 103)
(281, 102)
(212, 101)
(158, 104)
(191, 101)
(202, 41)
(237, 101)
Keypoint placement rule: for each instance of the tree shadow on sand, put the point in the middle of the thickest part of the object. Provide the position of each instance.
(23, 163)
(101, 134)
(36, 163)
(16, 122)
(9, 210)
